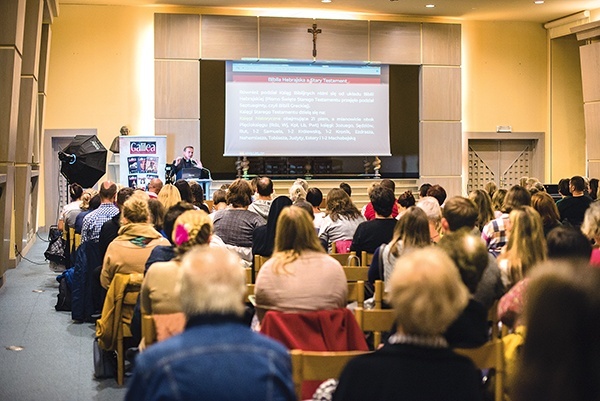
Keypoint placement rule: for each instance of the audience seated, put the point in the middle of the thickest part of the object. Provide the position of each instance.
(411, 231)
(494, 233)
(93, 221)
(235, 224)
(314, 196)
(347, 188)
(367, 211)
(591, 229)
(369, 235)
(483, 202)
(90, 201)
(498, 201)
(157, 213)
(438, 192)
(559, 358)
(262, 204)
(546, 207)
(469, 254)
(154, 187)
(75, 192)
(342, 218)
(110, 229)
(159, 297)
(217, 357)
(432, 209)
(129, 251)
(263, 237)
(416, 364)
(184, 191)
(219, 198)
(491, 188)
(405, 200)
(299, 276)
(198, 194)
(423, 189)
(572, 208)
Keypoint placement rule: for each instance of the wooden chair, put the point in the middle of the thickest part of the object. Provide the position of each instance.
(148, 329)
(250, 293)
(312, 365)
(345, 244)
(258, 262)
(489, 356)
(209, 203)
(366, 258)
(346, 259)
(356, 292)
(376, 321)
(356, 273)
(249, 278)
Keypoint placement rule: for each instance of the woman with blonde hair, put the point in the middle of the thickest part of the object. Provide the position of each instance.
(341, 221)
(483, 201)
(169, 195)
(137, 237)
(526, 245)
(299, 276)
(159, 297)
(427, 295)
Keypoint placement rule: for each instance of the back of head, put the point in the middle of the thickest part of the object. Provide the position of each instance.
(426, 292)
(469, 253)
(314, 196)
(460, 212)
(412, 229)
(171, 216)
(515, 197)
(347, 188)
(169, 195)
(340, 204)
(108, 190)
(545, 206)
(211, 281)
(383, 200)
(302, 182)
(591, 221)
(220, 195)
(563, 187)
(526, 244)
(264, 186)
(389, 184)
(483, 203)
(155, 185)
(157, 213)
(184, 191)
(498, 199)
(568, 242)
(95, 202)
(559, 358)
(192, 227)
(123, 194)
(406, 199)
(297, 191)
(577, 183)
(239, 193)
(423, 189)
(136, 210)
(303, 204)
(431, 207)
(75, 191)
(490, 187)
(438, 192)
(295, 232)
(278, 204)
(197, 192)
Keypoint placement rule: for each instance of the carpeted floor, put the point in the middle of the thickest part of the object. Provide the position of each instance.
(56, 362)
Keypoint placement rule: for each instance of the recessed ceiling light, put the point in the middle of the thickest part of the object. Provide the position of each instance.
(325, 1)
(538, 2)
(430, 5)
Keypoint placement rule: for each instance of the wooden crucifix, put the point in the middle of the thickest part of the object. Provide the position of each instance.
(314, 32)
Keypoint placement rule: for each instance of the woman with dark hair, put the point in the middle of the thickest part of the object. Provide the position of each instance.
(405, 200)
(263, 237)
(314, 196)
(75, 192)
(411, 231)
(342, 219)
(299, 276)
(185, 191)
(198, 194)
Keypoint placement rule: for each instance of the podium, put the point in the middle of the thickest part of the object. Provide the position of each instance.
(201, 176)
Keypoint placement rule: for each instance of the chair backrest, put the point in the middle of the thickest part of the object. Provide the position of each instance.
(356, 273)
(312, 365)
(249, 278)
(489, 356)
(366, 258)
(376, 321)
(356, 292)
(148, 330)
(346, 259)
(258, 262)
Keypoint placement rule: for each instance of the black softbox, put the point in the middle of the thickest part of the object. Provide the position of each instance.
(83, 161)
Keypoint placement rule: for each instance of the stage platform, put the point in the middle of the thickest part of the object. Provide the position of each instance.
(359, 186)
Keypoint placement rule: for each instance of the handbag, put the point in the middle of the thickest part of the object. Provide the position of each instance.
(105, 362)
(56, 247)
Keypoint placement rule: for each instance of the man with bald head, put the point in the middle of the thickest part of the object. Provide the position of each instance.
(217, 357)
(154, 187)
(262, 204)
(92, 223)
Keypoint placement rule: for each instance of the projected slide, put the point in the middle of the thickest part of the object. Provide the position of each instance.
(290, 109)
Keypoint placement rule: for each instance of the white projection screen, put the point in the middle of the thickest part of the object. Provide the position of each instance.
(306, 109)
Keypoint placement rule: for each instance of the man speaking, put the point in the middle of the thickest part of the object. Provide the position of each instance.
(185, 161)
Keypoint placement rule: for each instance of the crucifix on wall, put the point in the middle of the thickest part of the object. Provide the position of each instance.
(314, 32)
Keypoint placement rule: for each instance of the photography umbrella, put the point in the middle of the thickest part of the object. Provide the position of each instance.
(83, 161)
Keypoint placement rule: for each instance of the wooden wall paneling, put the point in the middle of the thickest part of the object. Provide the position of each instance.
(180, 133)
(32, 37)
(395, 42)
(440, 148)
(285, 38)
(342, 40)
(10, 82)
(229, 37)
(7, 259)
(592, 130)
(22, 204)
(12, 21)
(27, 119)
(441, 44)
(177, 36)
(177, 92)
(44, 57)
(590, 79)
(593, 168)
(440, 93)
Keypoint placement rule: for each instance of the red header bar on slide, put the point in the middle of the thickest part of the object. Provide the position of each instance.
(299, 79)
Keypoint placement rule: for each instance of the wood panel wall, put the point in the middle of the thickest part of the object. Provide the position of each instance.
(436, 47)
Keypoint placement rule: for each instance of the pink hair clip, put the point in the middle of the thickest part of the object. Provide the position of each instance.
(181, 235)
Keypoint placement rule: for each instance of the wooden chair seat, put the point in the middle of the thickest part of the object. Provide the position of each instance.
(489, 356)
(356, 273)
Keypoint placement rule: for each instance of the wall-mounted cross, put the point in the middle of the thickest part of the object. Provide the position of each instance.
(314, 32)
